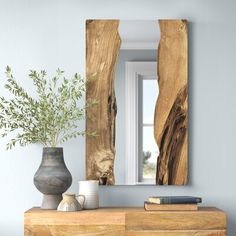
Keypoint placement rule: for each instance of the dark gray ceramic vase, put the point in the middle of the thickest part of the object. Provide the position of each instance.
(52, 177)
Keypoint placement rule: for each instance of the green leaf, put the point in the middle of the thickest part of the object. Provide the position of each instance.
(49, 119)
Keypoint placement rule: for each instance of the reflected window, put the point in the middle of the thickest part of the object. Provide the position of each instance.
(148, 150)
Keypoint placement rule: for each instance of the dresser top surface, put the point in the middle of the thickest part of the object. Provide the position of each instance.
(38, 210)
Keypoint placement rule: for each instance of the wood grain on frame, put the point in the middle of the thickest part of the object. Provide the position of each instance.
(171, 113)
(102, 47)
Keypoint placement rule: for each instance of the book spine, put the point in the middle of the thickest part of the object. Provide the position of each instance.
(180, 201)
(170, 207)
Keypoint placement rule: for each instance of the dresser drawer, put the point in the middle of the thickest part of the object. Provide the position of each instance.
(125, 221)
(178, 233)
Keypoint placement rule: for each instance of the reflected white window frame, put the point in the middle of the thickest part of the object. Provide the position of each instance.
(134, 71)
(141, 125)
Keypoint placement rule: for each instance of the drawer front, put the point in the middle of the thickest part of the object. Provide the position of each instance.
(169, 221)
(74, 230)
(178, 233)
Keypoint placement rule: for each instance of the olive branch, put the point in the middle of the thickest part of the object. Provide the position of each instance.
(52, 118)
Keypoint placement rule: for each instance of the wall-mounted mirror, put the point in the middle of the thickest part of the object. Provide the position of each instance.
(139, 77)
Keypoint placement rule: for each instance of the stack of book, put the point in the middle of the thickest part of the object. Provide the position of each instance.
(172, 203)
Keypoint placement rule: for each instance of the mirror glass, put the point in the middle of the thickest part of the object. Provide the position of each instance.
(139, 43)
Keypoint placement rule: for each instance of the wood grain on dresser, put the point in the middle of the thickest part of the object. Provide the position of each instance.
(125, 221)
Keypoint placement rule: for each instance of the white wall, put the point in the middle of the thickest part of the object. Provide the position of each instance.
(50, 33)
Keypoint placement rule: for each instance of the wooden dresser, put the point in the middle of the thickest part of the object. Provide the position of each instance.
(207, 221)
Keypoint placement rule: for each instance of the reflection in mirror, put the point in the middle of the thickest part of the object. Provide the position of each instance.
(140, 71)
(135, 162)
(150, 151)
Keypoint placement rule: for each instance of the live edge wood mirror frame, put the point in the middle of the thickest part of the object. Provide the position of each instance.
(170, 121)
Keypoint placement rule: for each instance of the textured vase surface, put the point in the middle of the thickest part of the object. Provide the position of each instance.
(52, 177)
(69, 203)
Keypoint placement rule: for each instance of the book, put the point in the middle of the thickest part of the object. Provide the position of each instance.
(148, 206)
(175, 200)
